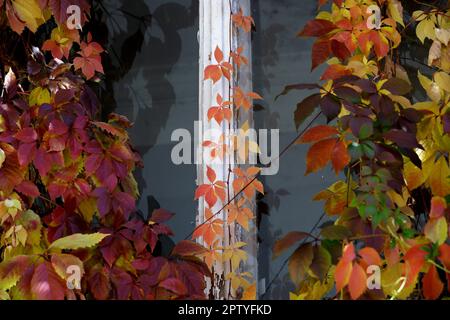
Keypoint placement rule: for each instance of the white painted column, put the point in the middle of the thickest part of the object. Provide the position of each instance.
(216, 29)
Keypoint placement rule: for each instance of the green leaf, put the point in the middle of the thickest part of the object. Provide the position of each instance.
(78, 241)
(335, 233)
(321, 263)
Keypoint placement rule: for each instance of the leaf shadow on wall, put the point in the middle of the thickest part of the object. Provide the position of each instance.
(139, 52)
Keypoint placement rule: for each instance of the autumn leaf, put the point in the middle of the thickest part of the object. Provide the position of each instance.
(319, 155)
(340, 157)
(358, 281)
(89, 60)
(318, 133)
(300, 262)
(24, 13)
(321, 262)
(11, 271)
(245, 181)
(244, 22)
(215, 71)
(432, 284)
(415, 260)
(61, 41)
(286, 242)
(77, 241)
(235, 254)
(210, 229)
(212, 191)
(317, 28)
(187, 248)
(61, 263)
(305, 108)
(46, 284)
(240, 214)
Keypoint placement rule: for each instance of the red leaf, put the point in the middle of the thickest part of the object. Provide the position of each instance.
(357, 282)
(26, 153)
(46, 285)
(317, 28)
(432, 285)
(444, 256)
(99, 283)
(321, 50)
(340, 50)
(161, 215)
(188, 248)
(26, 135)
(415, 259)
(318, 133)
(340, 157)
(319, 155)
(28, 188)
(174, 285)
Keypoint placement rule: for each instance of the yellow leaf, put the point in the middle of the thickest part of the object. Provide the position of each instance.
(425, 29)
(395, 11)
(393, 282)
(441, 140)
(419, 15)
(430, 87)
(442, 79)
(436, 230)
(39, 96)
(414, 176)
(439, 180)
(2, 124)
(2, 157)
(88, 208)
(250, 293)
(29, 12)
(443, 35)
(77, 241)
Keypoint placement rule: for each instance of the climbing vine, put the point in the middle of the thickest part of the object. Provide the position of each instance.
(68, 223)
(236, 194)
(389, 212)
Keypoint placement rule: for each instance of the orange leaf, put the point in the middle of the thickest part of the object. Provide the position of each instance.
(369, 257)
(211, 174)
(444, 257)
(342, 273)
(319, 155)
(335, 71)
(213, 72)
(318, 133)
(218, 55)
(438, 206)
(415, 259)
(340, 157)
(357, 282)
(432, 285)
